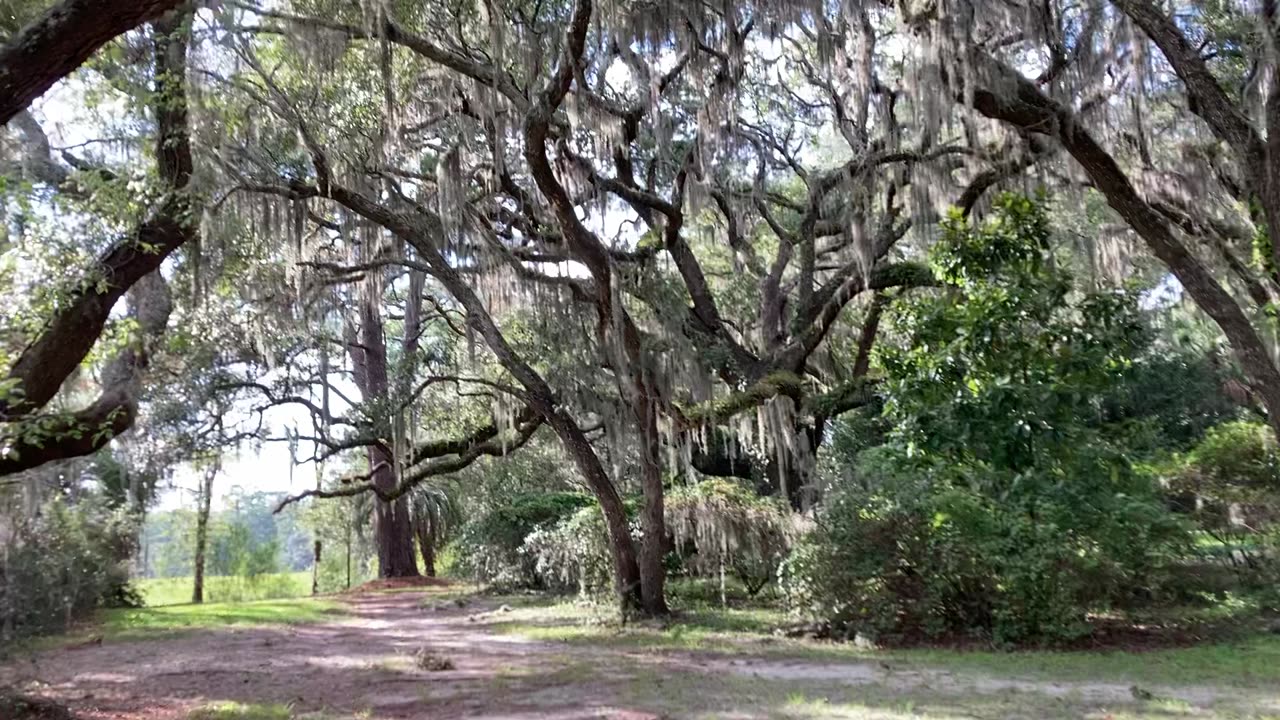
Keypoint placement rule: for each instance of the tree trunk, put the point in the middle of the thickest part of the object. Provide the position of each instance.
(427, 545)
(315, 568)
(393, 532)
(202, 529)
(626, 571)
(652, 572)
(59, 41)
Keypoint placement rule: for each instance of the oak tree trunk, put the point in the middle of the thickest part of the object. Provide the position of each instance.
(393, 532)
(652, 573)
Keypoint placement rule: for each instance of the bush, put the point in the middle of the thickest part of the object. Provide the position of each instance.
(1229, 483)
(719, 526)
(573, 554)
(1235, 462)
(62, 564)
(927, 555)
(489, 547)
(1001, 505)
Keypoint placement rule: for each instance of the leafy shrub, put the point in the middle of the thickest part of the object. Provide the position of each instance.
(1236, 461)
(1229, 483)
(718, 525)
(62, 564)
(1000, 505)
(573, 554)
(935, 554)
(489, 547)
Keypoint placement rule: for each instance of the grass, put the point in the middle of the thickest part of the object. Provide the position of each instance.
(170, 618)
(1251, 661)
(177, 590)
(150, 623)
(240, 711)
(795, 697)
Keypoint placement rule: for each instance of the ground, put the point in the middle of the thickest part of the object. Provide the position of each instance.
(359, 656)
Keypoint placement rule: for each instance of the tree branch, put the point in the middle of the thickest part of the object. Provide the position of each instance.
(60, 41)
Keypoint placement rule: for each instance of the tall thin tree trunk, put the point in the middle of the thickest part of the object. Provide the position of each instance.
(202, 528)
(315, 567)
(318, 546)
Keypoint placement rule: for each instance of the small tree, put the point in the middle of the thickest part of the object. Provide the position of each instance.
(204, 502)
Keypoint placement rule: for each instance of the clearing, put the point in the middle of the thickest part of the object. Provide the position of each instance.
(541, 663)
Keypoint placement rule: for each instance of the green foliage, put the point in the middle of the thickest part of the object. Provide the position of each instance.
(489, 545)
(246, 539)
(234, 552)
(1229, 483)
(1167, 399)
(935, 554)
(1009, 361)
(1000, 505)
(62, 564)
(1235, 462)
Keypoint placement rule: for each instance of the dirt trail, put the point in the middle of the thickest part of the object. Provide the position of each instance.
(362, 666)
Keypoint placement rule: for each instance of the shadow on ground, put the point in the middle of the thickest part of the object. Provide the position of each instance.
(363, 666)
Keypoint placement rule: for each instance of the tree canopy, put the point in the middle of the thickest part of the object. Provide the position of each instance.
(679, 239)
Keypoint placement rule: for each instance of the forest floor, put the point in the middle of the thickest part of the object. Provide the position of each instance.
(508, 659)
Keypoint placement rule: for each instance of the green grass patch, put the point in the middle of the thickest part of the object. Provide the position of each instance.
(177, 590)
(1253, 661)
(148, 621)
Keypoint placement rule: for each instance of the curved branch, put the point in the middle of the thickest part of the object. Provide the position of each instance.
(60, 41)
(497, 446)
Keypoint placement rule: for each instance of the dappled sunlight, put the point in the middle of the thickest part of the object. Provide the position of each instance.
(363, 666)
(639, 359)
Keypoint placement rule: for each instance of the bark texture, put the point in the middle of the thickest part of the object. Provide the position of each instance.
(61, 40)
(393, 531)
(130, 266)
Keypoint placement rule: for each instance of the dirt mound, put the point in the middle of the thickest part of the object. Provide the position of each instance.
(398, 584)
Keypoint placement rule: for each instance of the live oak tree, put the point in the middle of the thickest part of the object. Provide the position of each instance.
(441, 164)
(672, 228)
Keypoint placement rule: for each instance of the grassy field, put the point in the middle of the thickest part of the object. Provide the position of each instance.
(158, 592)
(149, 623)
(146, 622)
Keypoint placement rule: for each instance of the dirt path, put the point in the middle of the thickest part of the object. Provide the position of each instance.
(363, 667)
